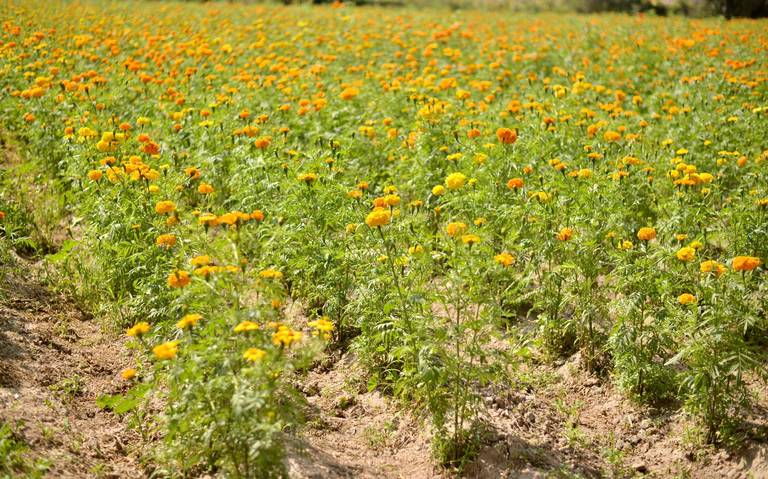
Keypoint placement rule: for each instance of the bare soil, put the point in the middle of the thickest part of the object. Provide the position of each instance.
(54, 363)
(571, 424)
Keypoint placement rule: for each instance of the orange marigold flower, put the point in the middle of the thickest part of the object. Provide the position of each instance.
(515, 183)
(506, 136)
(178, 279)
(166, 240)
(565, 234)
(746, 263)
(205, 189)
(505, 259)
(164, 207)
(686, 298)
(646, 234)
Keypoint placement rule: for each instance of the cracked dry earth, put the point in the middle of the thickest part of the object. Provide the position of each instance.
(54, 363)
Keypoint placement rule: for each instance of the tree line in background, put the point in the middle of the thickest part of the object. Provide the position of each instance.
(727, 8)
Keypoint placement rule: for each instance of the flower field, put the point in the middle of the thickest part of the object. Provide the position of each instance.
(454, 199)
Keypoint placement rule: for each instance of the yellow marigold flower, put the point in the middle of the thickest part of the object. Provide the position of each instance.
(625, 245)
(208, 219)
(245, 326)
(189, 321)
(455, 181)
(166, 350)
(351, 228)
(438, 190)
(392, 200)
(95, 175)
(201, 260)
(355, 194)
(308, 178)
(470, 239)
(746, 263)
(712, 266)
(178, 279)
(254, 355)
(377, 218)
(565, 234)
(164, 207)
(646, 234)
(205, 189)
(128, 374)
(541, 196)
(697, 245)
(505, 259)
(455, 228)
(686, 298)
(681, 237)
(138, 329)
(415, 249)
(323, 324)
(270, 274)
(166, 240)
(686, 254)
(285, 336)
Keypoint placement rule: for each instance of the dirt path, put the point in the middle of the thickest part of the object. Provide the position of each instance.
(54, 363)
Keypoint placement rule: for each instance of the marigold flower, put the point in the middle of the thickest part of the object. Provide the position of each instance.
(254, 355)
(377, 218)
(308, 178)
(285, 336)
(128, 374)
(455, 228)
(349, 93)
(201, 260)
(686, 254)
(205, 189)
(686, 298)
(506, 136)
(189, 320)
(392, 200)
(515, 183)
(270, 274)
(746, 263)
(138, 329)
(455, 181)
(625, 245)
(245, 326)
(438, 190)
(95, 175)
(470, 239)
(166, 240)
(178, 279)
(166, 350)
(165, 207)
(323, 324)
(565, 234)
(712, 266)
(505, 259)
(257, 215)
(646, 234)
